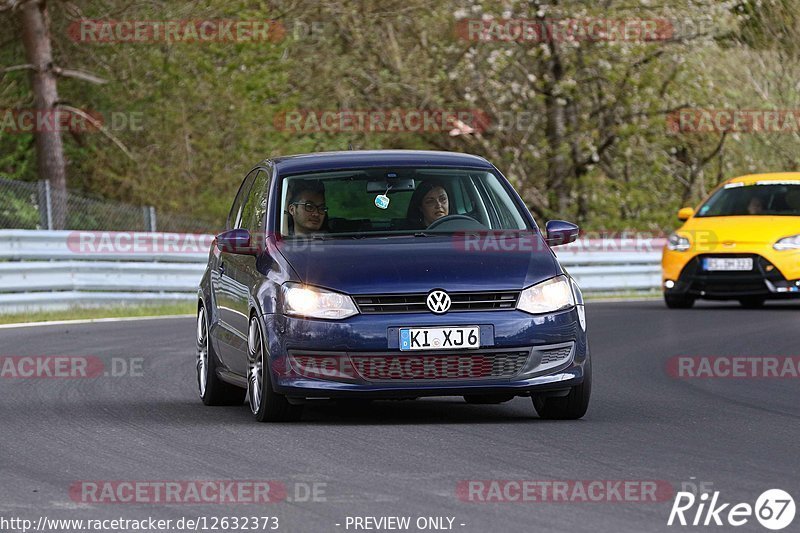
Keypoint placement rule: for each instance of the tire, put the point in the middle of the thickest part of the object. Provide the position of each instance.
(676, 301)
(213, 391)
(570, 407)
(752, 302)
(265, 404)
(487, 399)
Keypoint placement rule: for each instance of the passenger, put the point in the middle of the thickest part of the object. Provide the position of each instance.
(428, 204)
(307, 207)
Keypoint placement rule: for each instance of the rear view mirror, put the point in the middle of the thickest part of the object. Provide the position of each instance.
(561, 232)
(390, 184)
(685, 214)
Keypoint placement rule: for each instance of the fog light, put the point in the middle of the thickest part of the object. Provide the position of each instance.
(669, 284)
(335, 367)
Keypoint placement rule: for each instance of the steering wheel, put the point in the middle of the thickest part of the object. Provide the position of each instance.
(458, 222)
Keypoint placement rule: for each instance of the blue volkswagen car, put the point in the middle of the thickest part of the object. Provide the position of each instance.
(388, 275)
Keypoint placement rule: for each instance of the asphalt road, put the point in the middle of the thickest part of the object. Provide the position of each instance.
(739, 436)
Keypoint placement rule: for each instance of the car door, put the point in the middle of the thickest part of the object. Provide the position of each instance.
(242, 272)
(224, 287)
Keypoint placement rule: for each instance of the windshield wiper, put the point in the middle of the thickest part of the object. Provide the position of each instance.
(377, 235)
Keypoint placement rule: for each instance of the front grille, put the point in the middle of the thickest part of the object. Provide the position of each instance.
(723, 283)
(713, 286)
(488, 365)
(416, 302)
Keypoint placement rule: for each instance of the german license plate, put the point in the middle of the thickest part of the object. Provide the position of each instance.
(440, 338)
(728, 264)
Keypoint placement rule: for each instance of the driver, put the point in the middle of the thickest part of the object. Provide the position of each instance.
(428, 204)
(756, 206)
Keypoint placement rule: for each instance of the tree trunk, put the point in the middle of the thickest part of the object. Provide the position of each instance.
(556, 160)
(49, 147)
(555, 127)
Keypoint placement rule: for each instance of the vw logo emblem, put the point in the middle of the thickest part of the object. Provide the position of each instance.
(438, 302)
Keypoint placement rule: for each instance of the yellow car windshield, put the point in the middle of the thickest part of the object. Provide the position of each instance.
(761, 198)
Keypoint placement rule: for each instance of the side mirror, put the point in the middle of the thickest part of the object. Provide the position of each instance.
(561, 232)
(235, 241)
(686, 213)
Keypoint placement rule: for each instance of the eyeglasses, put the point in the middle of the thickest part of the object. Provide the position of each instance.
(310, 208)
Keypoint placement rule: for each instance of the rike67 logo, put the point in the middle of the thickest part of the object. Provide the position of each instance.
(774, 509)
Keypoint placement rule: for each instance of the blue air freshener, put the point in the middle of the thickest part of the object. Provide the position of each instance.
(381, 201)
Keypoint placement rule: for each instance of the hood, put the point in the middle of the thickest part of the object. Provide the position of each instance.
(420, 264)
(762, 229)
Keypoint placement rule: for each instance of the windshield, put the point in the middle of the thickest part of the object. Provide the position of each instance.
(760, 198)
(404, 201)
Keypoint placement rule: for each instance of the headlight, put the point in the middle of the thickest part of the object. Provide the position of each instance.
(301, 300)
(547, 297)
(788, 243)
(678, 243)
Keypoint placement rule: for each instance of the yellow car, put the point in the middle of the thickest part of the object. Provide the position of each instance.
(742, 243)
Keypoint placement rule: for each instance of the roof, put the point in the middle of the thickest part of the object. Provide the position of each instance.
(376, 158)
(771, 176)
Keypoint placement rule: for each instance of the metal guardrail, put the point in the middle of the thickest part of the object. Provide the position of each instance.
(614, 265)
(26, 245)
(37, 276)
(54, 270)
(60, 269)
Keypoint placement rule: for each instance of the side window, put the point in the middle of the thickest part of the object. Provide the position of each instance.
(236, 209)
(255, 208)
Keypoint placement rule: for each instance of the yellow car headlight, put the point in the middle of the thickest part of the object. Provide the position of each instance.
(677, 243)
(788, 243)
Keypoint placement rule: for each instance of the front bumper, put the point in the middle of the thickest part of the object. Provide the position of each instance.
(766, 280)
(365, 339)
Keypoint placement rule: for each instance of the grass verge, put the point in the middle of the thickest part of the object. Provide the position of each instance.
(630, 295)
(87, 313)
